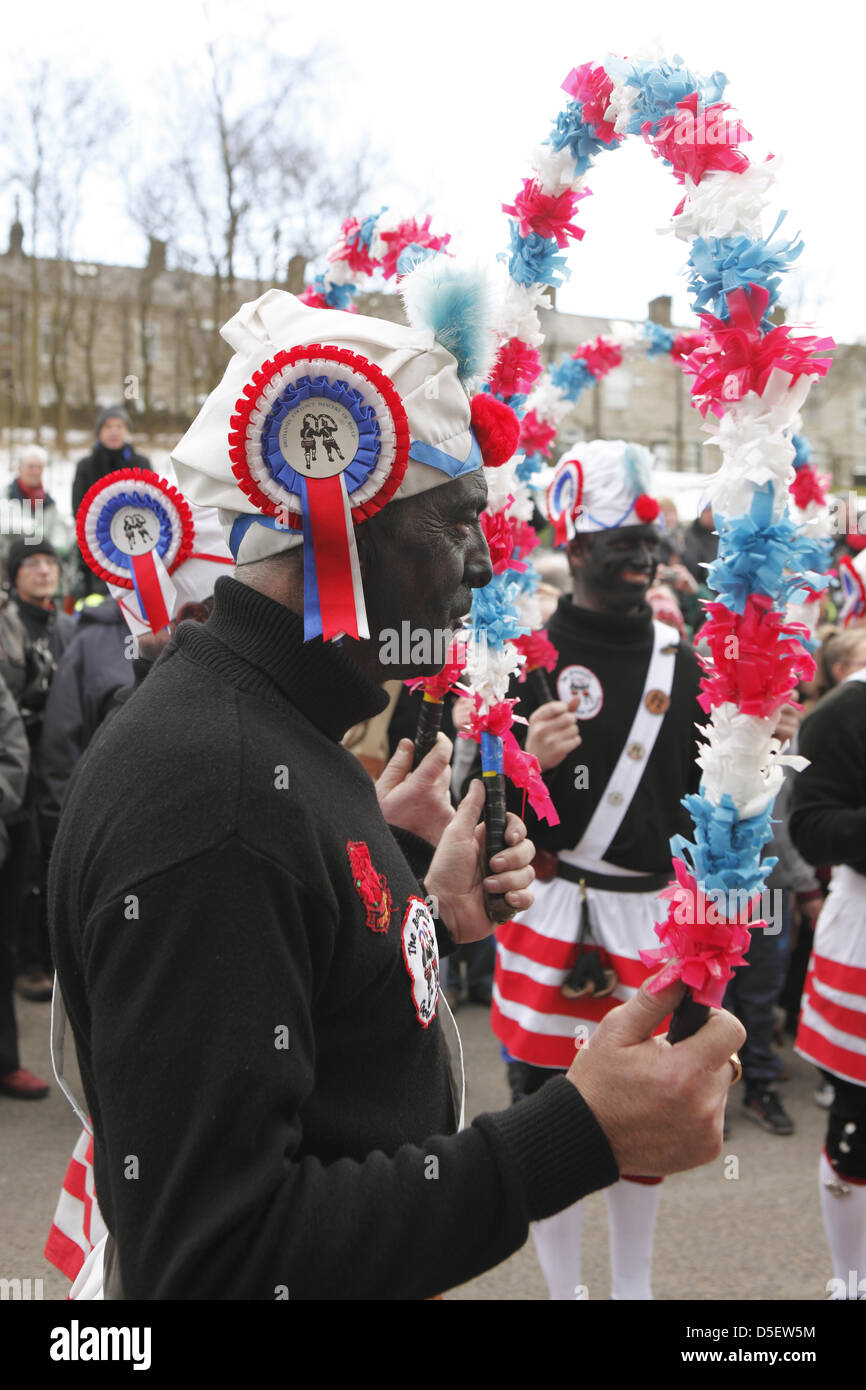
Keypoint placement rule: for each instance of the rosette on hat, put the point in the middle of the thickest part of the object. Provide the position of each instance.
(321, 418)
(601, 486)
(852, 574)
(153, 549)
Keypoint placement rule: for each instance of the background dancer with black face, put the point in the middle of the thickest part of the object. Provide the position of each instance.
(618, 750)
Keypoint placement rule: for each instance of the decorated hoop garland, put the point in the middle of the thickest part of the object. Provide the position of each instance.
(381, 242)
(751, 378)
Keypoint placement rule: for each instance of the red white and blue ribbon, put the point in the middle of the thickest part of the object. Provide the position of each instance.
(134, 529)
(320, 441)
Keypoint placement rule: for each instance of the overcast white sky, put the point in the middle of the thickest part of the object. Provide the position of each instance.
(457, 93)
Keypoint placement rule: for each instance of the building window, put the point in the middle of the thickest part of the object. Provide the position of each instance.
(861, 413)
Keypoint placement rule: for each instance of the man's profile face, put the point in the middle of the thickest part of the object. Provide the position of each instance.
(113, 433)
(420, 559)
(38, 578)
(616, 567)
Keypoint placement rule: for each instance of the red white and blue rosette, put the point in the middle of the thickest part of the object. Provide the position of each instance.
(320, 442)
(134, 529)
(563, 499)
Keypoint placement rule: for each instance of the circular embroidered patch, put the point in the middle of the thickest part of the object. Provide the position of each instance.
(313, 413)
(585, 684)
(129, 514)
(421, 955)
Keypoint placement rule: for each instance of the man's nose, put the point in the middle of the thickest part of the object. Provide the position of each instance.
(479, 570)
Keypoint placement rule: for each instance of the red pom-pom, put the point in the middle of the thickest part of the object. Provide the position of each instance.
(646, 507)
(496, 428)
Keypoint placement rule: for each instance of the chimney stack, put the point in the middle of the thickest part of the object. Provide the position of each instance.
(156, 250)
(659, 310)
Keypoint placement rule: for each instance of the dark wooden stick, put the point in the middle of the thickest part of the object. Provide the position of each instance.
(687, 1018)
(495, 815)
(539, 686)
(429, 724)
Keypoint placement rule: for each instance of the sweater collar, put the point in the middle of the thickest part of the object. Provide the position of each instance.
(608, 629)
(320, 679)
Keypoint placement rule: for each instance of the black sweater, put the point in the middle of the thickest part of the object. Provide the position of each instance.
(828, 801)
(199, 909)
(616, 650)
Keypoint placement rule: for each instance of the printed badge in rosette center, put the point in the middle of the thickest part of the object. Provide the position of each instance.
(319, 443)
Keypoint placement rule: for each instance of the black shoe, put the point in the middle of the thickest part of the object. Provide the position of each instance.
(481, 994)
(764, 1107)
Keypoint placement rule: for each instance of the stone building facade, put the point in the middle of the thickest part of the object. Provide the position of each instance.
(149, 335)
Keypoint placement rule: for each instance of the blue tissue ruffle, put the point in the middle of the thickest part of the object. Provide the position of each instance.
(572, 375)
(571, 130)
(660, 86)
(368, 227)
(336, 296)
(534, 259)
(660, 339)
(725, 853)
(760, 556)
(802, 450)
(494, 616)
(718, 265)
(529, 467)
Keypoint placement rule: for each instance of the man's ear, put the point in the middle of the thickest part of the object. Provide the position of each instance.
(575, 552)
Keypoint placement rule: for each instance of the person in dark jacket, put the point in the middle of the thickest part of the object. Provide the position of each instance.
(112, 450)
(15, 1080)
(96, 664)
(34, 633)
(262, 1028)
(701, 545)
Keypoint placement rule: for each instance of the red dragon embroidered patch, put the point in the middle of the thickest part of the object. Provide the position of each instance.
(372, 888)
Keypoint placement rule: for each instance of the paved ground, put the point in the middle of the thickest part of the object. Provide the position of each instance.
(760, 1233)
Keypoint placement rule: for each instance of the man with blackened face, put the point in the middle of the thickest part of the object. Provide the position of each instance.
(251, 972)
(617, 745)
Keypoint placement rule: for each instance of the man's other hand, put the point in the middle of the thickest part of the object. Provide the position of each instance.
(553, 732)
(419, 801)
(661, 1106)
(458, 876)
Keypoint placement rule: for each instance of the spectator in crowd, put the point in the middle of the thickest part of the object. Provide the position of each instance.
(35, 513)
(701, 545)
(673, 537)
(15, 1080)
(111, 451)
(33, 636)
(96, 664)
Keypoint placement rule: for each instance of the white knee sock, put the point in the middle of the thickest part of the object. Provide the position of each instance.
(845, 1224)
(631, 1211)
(557, 1245)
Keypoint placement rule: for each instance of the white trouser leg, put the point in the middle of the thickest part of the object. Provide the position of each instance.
(557, 1245)
(631, 1208)
(845, 1224)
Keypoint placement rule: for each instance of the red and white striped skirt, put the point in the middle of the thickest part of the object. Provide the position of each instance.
(832, 1031)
